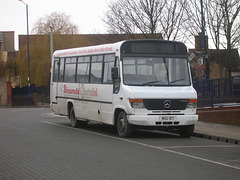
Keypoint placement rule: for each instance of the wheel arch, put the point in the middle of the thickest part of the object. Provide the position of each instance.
(116, 114)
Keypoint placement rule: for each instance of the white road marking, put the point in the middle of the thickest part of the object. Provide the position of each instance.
(150, 146)
(209, 146)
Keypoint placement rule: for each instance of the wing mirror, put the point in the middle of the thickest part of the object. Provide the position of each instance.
(115, 73)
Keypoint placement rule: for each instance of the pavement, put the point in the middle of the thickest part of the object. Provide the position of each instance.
(218, 132)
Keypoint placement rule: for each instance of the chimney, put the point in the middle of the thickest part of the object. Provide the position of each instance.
(198, 42)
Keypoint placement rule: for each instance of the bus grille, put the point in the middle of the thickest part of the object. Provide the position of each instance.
(165, 104)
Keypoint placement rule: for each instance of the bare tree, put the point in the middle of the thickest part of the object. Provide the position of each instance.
(231, 22)
(117, 18)
(173, 19)
(148, 17)
(214, 20)
(130, 17)
(222, 21)
(59, 22)
(192, 24)
(231, 25)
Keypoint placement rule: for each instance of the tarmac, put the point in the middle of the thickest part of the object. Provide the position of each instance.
(214, 131)
(217, 132)
(211, 131)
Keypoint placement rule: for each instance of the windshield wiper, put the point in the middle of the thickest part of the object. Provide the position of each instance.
(176, 81)
(150, 83)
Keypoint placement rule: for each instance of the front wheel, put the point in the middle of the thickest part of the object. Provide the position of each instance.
(186, 131)
(124, 129)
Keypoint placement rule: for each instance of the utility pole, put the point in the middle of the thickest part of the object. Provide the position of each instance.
(51, 43)
(203, 49)
(29, 84)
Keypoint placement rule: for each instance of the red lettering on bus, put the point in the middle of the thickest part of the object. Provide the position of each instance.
(70, 91)
(94, 92)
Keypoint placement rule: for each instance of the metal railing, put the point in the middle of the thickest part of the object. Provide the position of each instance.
(218, 92)
(211, 93)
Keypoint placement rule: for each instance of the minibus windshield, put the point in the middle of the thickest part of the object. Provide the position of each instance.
(155, 71)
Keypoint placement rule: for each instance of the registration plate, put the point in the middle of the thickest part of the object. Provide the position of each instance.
(167, 118)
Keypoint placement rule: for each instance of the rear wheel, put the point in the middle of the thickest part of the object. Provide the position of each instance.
(124, 129)
(74, 122)
(186, 131)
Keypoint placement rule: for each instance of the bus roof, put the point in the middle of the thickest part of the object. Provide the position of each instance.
(111, 48)
(89, 50)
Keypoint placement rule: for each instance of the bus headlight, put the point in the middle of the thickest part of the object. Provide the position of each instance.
(137, 103)
(192, 103)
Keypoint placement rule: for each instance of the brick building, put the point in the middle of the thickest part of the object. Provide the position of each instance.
(6, 44)
(216, 62)
(7, 52)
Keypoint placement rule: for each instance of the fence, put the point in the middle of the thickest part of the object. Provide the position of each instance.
(211, 93)
(43, 93)
(39, 96)
(218, 92)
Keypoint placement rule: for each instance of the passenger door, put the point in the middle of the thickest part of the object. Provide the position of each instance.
(106, 90)
(54, 85)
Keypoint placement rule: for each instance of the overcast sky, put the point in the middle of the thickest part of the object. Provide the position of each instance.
(86, 14)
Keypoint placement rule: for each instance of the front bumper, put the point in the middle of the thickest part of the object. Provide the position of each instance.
(162, 120)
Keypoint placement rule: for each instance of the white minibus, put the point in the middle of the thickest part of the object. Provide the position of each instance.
(129, 84)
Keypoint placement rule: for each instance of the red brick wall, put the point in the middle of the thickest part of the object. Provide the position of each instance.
(222, 115)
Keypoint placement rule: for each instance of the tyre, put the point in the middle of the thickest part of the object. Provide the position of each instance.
(73, 120)
(124, 129)
(186, 131)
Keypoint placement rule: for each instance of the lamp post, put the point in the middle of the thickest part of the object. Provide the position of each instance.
(51, 43)
(203, 39)
(203, 48)
(29, 84)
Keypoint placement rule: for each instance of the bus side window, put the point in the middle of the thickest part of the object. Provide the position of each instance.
(108, 65)
(83, 67)
(55, 70)
(70, 69)
(61, 69)
(96, 69)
